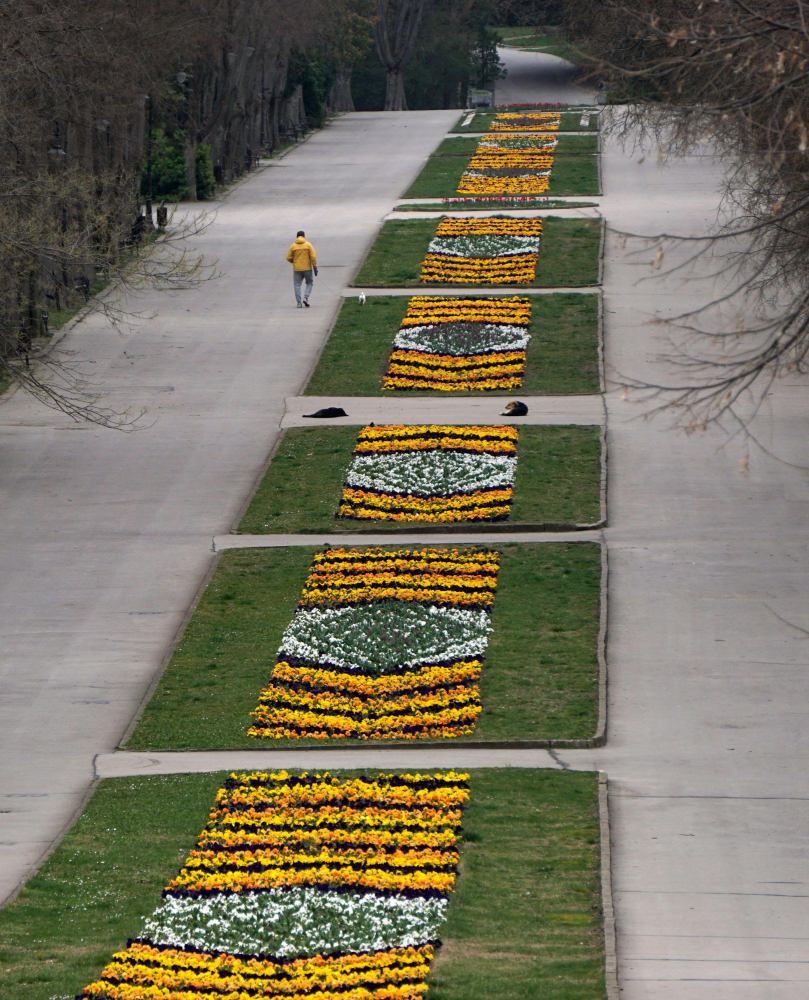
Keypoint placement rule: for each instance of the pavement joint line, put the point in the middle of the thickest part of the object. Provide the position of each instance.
(233, 541)
(127, 763)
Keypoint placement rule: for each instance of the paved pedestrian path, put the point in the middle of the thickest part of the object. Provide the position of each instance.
(222, 542)
(707, 742)
(536, 76)
(106, 537)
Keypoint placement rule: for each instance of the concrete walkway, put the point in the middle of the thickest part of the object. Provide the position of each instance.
(451, 409)
(536, 76)
(106, 537)
(416, 537)
(707, 736)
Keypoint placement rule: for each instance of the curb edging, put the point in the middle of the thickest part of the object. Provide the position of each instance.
(607, 909)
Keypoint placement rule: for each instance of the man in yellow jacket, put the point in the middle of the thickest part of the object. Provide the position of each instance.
(303, 259)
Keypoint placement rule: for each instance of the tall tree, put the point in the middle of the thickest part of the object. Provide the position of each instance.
(397, 28)
(349, 35)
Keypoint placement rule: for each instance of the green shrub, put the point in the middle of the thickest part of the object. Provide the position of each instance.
(206, 183)
(168, 168)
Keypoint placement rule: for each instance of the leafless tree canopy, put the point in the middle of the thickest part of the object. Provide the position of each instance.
(732, 73)
(79, 80)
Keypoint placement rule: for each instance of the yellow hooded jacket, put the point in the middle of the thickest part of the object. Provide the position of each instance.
(302, 255)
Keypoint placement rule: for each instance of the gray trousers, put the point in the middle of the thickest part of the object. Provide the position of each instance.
(298, 277)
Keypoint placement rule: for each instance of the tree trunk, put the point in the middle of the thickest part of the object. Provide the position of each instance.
(340, 98)
(394, 91)
(191, 170)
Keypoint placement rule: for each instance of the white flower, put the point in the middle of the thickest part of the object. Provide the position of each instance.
(457, 339)
(433, 473)
(513, 172)
(300, 921)
(379, 638)
(484, 246)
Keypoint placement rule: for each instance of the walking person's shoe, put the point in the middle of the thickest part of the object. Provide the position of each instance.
(300, 306)
(306, 303)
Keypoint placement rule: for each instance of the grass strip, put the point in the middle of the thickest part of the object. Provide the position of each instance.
(568, 257)
(107, 874)
(558, 480)
(562, 355)
(570, 121)
(441, 175)
(565, 145)
(442, 172)
(540, 680)
(524, 921)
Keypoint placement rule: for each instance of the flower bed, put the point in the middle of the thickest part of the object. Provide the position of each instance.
(496, 251)
(460, 344)
(383, 645)
(303, 886)
(431, 473)
(515, 122)
(505, 165)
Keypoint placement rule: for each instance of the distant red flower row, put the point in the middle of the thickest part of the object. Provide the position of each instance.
(504, 199)
(543, 104)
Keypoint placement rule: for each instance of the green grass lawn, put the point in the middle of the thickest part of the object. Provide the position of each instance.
(574, 172)
(568, 256)
(525, 919)
(562, 355)
(558, 479)
(570, 120)
(540, 680)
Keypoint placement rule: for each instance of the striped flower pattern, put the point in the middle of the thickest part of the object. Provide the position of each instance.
(504, 165)
(460, 344)
(384, 644)
(431, 473)
(493, 251)
(510, 121)
(303, 886)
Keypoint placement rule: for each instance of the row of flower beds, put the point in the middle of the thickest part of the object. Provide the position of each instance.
(508, 165)
(494, 251)
(383, 645)
(303, 886)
